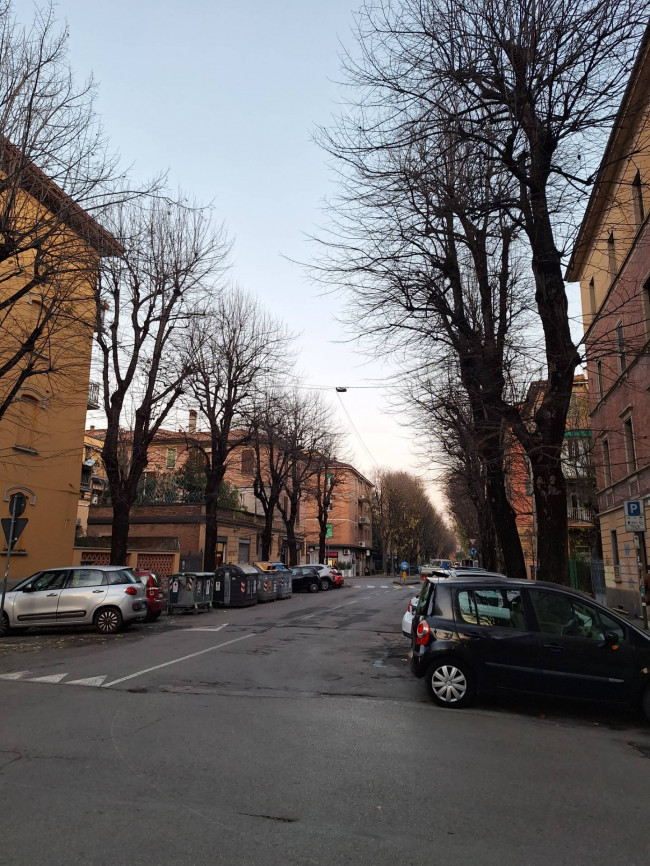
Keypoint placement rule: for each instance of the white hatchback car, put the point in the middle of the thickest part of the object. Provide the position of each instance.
(107, 596)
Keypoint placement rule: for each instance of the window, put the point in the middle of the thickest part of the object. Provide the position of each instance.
(592, 297)
(599, 378)
(49, 580)
(171, 458)
(82, 577)
(248, 462)
(561, 615)
(607, 463)
(498, 607)
(243, 553)
(620, 347)
(646, 307)
(630, 450)
(611, 255)
(27, 422)
(637, 199)
(615, 557)
(123, 575)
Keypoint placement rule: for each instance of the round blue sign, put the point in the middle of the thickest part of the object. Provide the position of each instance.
(472, 551)
(404, 566)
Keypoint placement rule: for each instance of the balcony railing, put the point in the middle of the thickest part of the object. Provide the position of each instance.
(581, 515)
(93, 395)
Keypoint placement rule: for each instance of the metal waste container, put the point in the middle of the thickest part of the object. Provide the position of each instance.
(267, 583)
(235, 586)
(189, 591)
(285, 583)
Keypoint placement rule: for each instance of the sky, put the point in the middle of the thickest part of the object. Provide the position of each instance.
(226, 97)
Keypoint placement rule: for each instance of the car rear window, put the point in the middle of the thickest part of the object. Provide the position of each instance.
(123, 575)
(426, 594)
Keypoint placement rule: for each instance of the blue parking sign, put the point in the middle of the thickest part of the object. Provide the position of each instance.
(634, 513)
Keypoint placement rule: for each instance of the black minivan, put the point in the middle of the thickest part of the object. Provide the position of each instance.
(478, 634)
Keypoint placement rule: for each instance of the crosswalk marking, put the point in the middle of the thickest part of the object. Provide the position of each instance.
(88, 681)
(53, 678)
(16, 675)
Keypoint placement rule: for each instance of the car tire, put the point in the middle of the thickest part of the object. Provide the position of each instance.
(152, 615)
(450, 683)
(325, 584)
(108, 620)
(314, 585)
(645, 703)
(4, 624)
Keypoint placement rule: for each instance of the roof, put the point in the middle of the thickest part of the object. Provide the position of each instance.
(49, 194)
(622, 128)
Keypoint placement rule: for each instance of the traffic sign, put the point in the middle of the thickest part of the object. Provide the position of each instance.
(19, 524)
(472, 542)
(404, 566)
(634, 515)
(472, 551)
(17, 504)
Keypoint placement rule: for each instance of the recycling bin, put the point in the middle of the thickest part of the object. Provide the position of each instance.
(267, 584)
(285, 583)
(188, 591)
(235, 586)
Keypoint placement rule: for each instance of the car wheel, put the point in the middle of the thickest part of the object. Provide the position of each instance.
(450, 683)
(154, 615)
(108, 620)
(325, 584)
(314, 585)
(645, 703)
(4, 624)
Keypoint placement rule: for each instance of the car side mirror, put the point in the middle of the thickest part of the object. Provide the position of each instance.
(28, 588)
(611, 640)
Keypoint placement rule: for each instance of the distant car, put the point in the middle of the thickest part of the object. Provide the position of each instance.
(156, 600)
(107, 596)
(305, 577)
(478, 634)
(329, 577)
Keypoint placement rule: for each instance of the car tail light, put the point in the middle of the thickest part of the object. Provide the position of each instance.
(409, 608)
(422, 633)
(131, 590)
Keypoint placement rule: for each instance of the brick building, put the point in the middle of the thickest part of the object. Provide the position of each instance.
(611, 259)
(349, 537)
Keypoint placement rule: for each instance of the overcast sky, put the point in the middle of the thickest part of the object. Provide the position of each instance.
(226, 97)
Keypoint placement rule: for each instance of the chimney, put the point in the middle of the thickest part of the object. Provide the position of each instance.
(92, 428)
(192, 425)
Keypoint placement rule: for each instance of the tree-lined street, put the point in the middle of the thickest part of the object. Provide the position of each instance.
(294, 733)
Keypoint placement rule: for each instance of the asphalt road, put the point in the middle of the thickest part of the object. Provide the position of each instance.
(292, 733)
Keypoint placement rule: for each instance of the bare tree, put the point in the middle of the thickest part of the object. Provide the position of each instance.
(409, 526)
(522, 87)
(236, 349)
(328, 475)
(308, 438)
(55, 171)
(147, 304)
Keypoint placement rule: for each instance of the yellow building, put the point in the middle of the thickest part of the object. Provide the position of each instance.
(47, 289)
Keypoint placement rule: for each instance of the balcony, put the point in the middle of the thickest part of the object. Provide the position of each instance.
(93, 395)
(581, 515)
(363, 521)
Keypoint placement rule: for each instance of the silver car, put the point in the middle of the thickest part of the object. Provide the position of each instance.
(106, 596)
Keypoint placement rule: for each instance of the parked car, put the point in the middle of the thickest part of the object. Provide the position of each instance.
(479, 634)
(407, 619)
(107, 596)
(305, 577)
(156, 600)
(329, 577)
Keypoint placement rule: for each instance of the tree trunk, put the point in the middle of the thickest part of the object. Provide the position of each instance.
(267, 535)
(549, 488)
(322, 535)
(504, 519)
(120, 532)
(291, 541)
(213, 480)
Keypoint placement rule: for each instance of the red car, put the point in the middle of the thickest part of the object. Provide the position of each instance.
(156, 600)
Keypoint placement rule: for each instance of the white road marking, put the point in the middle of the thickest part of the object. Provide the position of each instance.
(54, 678)
(384, 586)
(176, 661)
(206, 628)
(88, 681)
(14, 676)
(370, 586)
